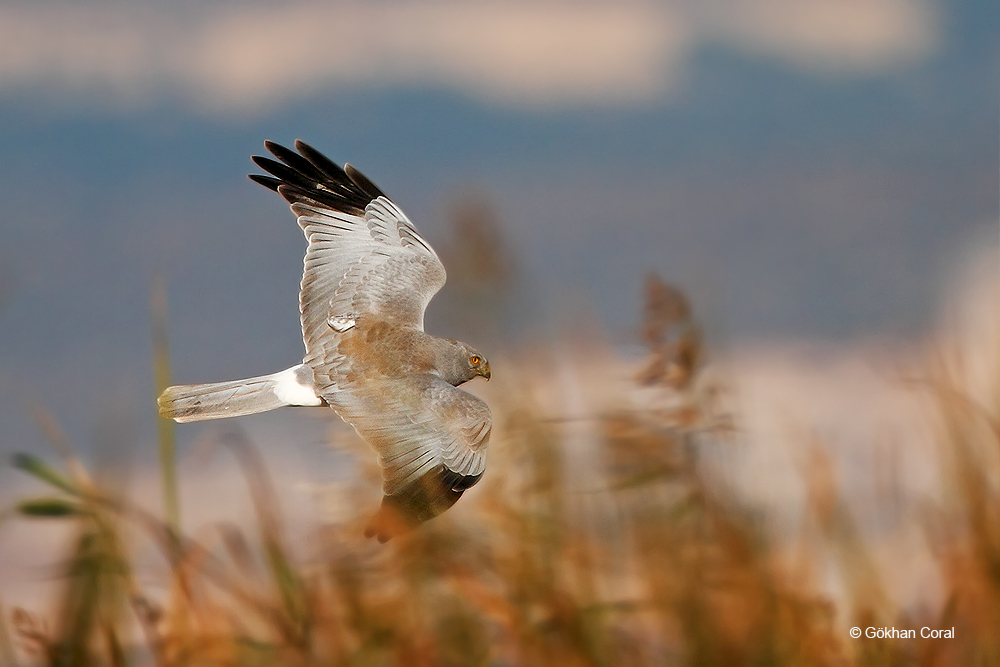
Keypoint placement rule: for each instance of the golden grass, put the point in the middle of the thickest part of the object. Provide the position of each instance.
(657, 564)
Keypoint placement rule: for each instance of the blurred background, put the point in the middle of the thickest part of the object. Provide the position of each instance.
(819, 179)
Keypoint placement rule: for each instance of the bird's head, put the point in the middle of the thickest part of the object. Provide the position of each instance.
(478, 364)
(462, 363)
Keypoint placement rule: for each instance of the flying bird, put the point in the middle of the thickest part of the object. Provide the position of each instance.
(368, 278)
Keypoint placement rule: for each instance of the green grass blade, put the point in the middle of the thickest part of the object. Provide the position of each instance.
(43, 471)
(49, 508)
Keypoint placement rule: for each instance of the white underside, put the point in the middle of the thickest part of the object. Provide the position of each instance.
(288, 388)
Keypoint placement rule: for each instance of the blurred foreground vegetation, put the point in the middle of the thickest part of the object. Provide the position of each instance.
(650, 560)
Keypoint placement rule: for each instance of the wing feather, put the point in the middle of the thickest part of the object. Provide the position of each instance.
(431, 452)
(364, 255)
(416, 424)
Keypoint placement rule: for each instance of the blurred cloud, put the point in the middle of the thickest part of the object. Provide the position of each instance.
(836, 36)
(229, 56)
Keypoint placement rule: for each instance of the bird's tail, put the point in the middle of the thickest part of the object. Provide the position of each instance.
(194, 402)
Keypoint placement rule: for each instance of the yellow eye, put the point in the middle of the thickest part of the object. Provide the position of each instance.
(474, 360)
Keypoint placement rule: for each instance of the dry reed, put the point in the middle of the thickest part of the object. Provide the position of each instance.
(657, 564)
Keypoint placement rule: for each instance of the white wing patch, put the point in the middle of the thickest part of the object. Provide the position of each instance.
(291, 390)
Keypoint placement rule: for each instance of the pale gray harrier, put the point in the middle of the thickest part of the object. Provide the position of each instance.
(368, 279)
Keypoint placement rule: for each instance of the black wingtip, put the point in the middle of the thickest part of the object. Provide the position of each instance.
(456, 481)
(309, 176)
(267, 164)
(306, 150)
(322, 163)
(266, 181)
(362, 182)
(286, 155)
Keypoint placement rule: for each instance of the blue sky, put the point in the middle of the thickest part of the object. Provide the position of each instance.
(806, 170)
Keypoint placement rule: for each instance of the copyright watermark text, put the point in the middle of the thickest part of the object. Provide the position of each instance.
(896, 633)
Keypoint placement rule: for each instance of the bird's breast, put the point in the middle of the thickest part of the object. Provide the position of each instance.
(383, 350)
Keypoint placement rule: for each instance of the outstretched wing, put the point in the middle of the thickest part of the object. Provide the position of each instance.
(364, 256)
(431, 439)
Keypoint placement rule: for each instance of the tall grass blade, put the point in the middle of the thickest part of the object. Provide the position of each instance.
(43, 471)
(165, 427)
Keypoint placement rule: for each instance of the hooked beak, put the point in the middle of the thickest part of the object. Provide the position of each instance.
(486, 371)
